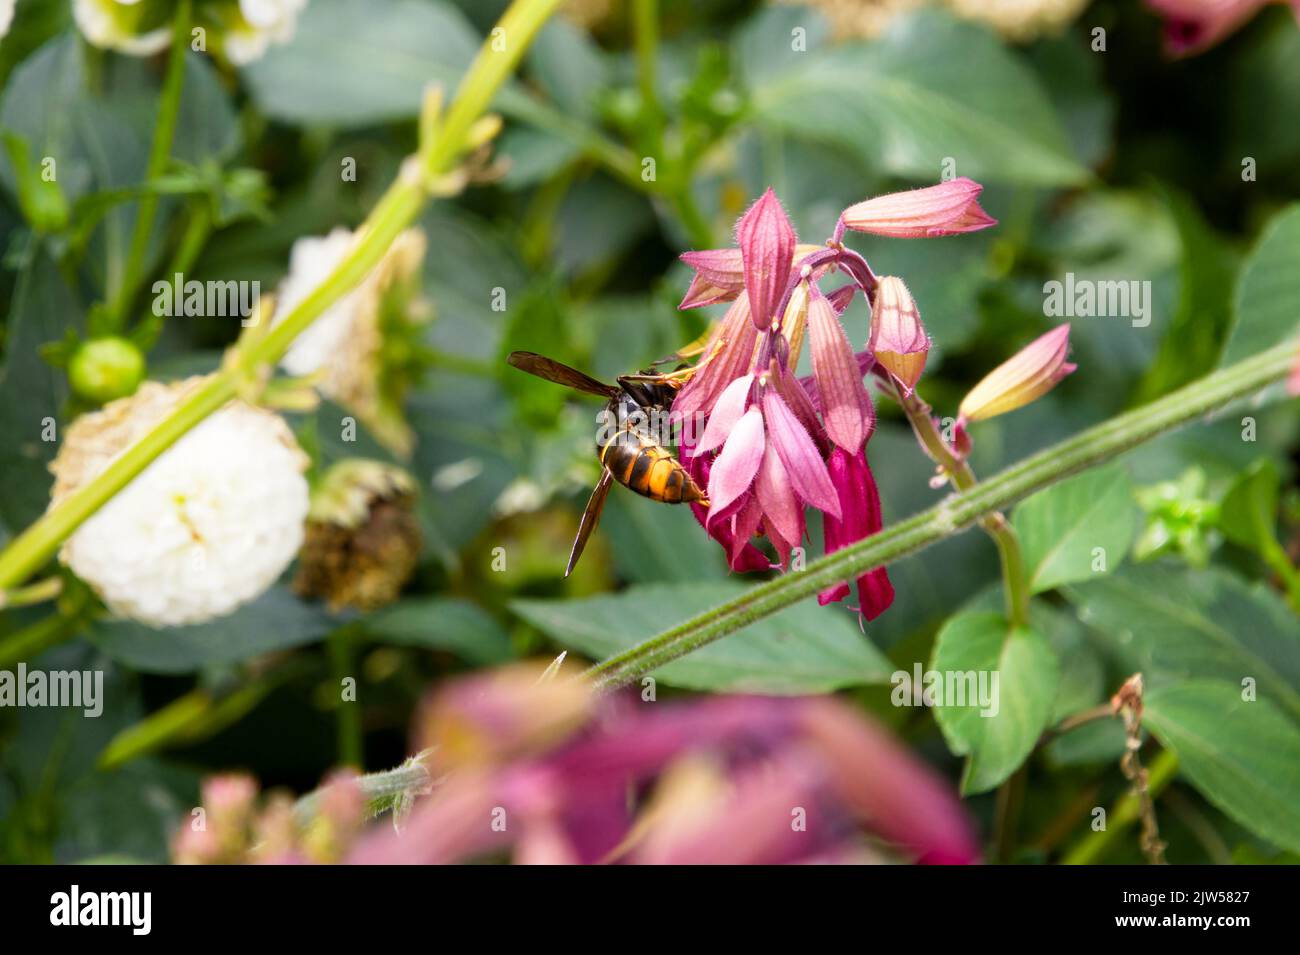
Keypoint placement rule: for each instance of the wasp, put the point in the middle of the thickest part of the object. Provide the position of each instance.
(629, 453)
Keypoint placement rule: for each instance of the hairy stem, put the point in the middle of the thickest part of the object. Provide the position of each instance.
(957, 512)
(395, 211)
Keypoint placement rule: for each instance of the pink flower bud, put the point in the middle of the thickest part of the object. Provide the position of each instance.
(720, 274)
(846, 409)
(946, 209)
(900, 340)
(1027, 375)
(1192, 26)
(767, 242)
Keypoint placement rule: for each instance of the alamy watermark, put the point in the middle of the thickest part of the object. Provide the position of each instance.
(1090, 298)
(959, 688)
(75, 688)
(190, 298)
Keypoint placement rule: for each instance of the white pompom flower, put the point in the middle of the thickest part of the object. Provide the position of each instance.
(209, 525)
(137, 27)
(259, 24)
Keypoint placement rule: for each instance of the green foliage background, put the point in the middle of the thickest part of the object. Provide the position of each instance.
(1109, 165)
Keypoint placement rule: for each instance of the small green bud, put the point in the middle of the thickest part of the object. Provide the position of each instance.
(106, 368)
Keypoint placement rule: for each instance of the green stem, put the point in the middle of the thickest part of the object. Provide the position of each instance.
(379, 789)
(47, 589)
(164, 132)
(645, 26)
(1123, 814)
(959, 473)
(957, 512)
(395, 211)
(351, 740)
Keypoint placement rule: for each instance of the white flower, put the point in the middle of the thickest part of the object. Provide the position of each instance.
(6, 15)
(259, 24)
(344, 344)
(208, 526)
(311, 260)
(139, 27)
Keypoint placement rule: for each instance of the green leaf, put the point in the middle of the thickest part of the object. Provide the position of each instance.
(442, 623)
(1248, 513)
(32, 392)
(802, 649)
(1020, 702)
(1268, 295)
(1175, 624)
(1062, 527)
(931, 89)
(275, 621)
(1243, 755)
(362, 62)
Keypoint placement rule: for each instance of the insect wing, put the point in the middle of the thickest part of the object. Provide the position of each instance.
(561, 374)
(590, 518)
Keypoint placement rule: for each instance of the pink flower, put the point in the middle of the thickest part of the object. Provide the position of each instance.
(949, 208)
(1193, 26)
(1293, 382)
(1024, 377)
(846, 408)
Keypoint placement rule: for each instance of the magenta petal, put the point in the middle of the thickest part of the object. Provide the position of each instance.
(703, 292)
(799, 455)
(767, 242)
(860, 498)
(726, 412)
(726, 358)
(751, 558)
(745, 526)
(846, 409)
(733, 471)
(722, 267)
(780, 506)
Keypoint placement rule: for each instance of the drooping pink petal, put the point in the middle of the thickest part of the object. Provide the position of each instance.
(900, 342)
(846, 409)
(1027, 375)
(799, 455)
(702, 292)
(700, 467)
(798, 396)
(767, 242)
(734, 470)
(727, 410)
(781, 509)
(860, 501)
(949, 208)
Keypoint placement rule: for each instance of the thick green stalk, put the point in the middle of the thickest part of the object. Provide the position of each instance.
(957, 512)
(164, 132)
(395, 211)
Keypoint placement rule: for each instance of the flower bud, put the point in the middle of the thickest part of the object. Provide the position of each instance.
(946, 209)
(1025, 376)
(900, 340)
(106, 368)
(767, 243)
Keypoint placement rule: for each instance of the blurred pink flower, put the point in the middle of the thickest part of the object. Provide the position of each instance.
(1193, 26)
(717, 780)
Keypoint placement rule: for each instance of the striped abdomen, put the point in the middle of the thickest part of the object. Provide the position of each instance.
(638, 462)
